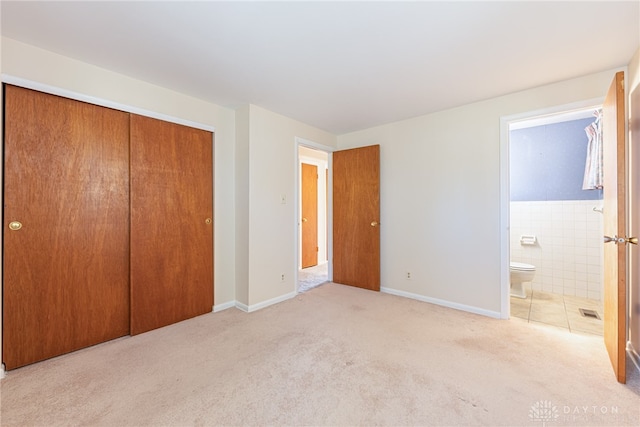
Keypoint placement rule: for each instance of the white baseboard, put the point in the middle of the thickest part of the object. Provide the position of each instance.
(633, 355)
(263, 304)
(224, 306)
(443, 303)
(242, 306)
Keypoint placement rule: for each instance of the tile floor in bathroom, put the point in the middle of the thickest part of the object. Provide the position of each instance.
(557, 310)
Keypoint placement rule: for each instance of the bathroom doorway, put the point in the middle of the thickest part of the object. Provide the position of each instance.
(313, 230)
(555, 222)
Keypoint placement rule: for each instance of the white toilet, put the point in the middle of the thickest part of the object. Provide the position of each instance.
(519, 273)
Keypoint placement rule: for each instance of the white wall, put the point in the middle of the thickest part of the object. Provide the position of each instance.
(242, 205)
(23, 61)
(633, 84)
(272, 225)
(440, 194)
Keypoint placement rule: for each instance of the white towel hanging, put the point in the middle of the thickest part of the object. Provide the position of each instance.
(594, 165)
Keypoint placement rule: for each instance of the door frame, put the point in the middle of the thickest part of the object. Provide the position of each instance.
(302, 142)
(505, 196)
(102, 102)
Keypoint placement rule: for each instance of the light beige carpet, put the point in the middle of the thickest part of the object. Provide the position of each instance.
(332, 356)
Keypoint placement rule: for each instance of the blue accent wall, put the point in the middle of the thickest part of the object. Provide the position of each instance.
(547, 162)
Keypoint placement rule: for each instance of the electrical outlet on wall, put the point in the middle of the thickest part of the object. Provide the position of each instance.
(408, 276)
(282, 277)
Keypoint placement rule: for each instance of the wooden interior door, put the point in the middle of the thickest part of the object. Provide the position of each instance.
(309, 184)
(171, 223)
(356, 217)
(66, 269)
(615, 255)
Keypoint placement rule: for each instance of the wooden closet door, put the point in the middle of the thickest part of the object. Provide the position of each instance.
(66, 270)
(171, 223)
(309, 223)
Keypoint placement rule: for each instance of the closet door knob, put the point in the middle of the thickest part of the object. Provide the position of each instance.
(207, 221)
(15, 225)
(621, 240)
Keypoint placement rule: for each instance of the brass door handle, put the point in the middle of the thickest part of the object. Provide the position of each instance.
(207, 221)
(375, 223)
(304, 219)
(15, 225)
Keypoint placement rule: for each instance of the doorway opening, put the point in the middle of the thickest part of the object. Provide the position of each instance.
(553, 256)
(313, 218)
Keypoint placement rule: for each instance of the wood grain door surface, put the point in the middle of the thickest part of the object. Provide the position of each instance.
(356, 217)
(614, 212)
(171, 228)
(309, 223)
(66, 271)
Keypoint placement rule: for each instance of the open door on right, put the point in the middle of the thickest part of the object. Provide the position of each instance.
(356, 217)
(615, 226)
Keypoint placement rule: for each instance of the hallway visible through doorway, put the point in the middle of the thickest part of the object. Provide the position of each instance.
(309, 278)
(313, 221)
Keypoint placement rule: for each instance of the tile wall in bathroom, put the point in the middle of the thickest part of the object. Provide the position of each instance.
(568, 254)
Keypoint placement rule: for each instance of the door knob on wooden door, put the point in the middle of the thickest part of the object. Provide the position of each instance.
(15, 225)
(375, 223)
(621, 240)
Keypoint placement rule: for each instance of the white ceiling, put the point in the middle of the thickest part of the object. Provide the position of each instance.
(340, 66)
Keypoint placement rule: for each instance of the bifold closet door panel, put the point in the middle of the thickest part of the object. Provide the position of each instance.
(66, 226)
(171, 223)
